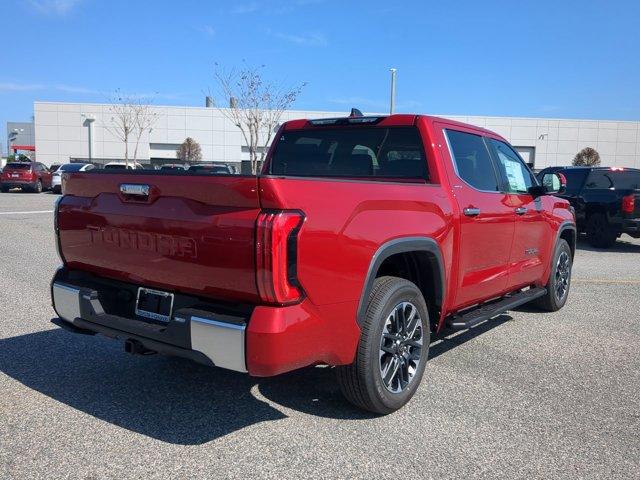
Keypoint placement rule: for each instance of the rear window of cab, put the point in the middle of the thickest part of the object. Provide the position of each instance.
(351, 152)
(18, 166)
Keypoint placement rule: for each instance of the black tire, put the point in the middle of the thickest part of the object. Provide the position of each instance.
(558, 279)
(37, 188)
(362, 382)
(56, 189)
(599, 233)
(4, 189)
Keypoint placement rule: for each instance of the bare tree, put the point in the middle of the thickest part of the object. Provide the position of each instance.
(189, 151)
(144, 120)
(131, 117)
(255, 106)
(587, 157)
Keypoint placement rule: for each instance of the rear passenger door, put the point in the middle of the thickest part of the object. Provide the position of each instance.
(486, 217)
(531, 240)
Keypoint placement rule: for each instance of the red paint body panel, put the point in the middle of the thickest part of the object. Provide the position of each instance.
(280, 339)
(196, 234)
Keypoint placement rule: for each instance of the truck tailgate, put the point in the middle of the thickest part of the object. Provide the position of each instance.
(191, 233)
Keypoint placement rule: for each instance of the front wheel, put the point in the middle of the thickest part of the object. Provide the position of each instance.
(393, 349)
(559, 279)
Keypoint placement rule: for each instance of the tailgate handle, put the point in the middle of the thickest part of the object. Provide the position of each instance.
(134, 189)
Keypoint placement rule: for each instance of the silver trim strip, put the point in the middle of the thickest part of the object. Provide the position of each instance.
(135, 189)
(223, 343)
(66, 301)
(233, 326)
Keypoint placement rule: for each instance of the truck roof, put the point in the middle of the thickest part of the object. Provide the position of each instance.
(395, 120)
(583, 167)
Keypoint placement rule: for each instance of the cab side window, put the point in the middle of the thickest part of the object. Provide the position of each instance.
(599, 179)
(472, 160)
(517, 175)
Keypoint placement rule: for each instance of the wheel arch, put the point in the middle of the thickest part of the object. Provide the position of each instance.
(568, 232)
(417, 259)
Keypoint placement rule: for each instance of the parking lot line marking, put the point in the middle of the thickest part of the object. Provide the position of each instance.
(23, 213)
(605, 281)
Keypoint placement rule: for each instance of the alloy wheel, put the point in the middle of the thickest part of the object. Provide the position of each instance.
(563, 275)
(401, 347)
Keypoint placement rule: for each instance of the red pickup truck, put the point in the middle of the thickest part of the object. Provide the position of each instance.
(361, 238)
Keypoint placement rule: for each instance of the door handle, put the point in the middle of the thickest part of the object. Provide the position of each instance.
(521, 210)
(471, 211)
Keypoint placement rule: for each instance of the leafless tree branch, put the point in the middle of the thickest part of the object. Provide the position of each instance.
(255, 106)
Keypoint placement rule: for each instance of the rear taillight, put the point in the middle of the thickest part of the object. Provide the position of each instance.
(628, 203)
(277, 256)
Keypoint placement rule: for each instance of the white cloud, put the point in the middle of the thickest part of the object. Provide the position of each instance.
(53, 7)
(208, 30)
(72, 89)
(20, 87)
(79, 90)
(309, 39)
(244, 8)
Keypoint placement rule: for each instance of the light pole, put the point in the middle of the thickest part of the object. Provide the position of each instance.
(392, 105)
(89, 119)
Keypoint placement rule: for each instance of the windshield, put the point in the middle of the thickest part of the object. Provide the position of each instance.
(394, 152)
(115, 167)
(19, 166)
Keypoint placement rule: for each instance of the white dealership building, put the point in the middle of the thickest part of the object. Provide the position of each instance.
(84, 131)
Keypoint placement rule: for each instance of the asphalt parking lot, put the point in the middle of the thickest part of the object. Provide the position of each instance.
(527, 395)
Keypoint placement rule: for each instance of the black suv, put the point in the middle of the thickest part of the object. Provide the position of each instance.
(606, 201)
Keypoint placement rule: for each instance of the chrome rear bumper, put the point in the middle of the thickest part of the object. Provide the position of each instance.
(222, 342)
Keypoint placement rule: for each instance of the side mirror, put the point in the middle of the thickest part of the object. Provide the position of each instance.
(554, 183)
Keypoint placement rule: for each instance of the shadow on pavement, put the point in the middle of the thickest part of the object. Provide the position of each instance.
(171, 399)
(450, 339)
(622, 245)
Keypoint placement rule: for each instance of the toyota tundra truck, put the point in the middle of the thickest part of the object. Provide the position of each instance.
(361, 237)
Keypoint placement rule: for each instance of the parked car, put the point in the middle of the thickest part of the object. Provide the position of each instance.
(212, 168)
(123, 166)
(173, 166)
(30, 176)
(56, 180)
(361, 237)
(606, 201)
(53, 168)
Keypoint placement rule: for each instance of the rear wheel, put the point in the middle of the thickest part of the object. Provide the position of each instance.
(600, 233)
(559, 279)
(38, 187)
(393, 348)
(4, 189)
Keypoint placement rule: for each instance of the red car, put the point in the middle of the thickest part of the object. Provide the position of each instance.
(31, 176)
(361, 238)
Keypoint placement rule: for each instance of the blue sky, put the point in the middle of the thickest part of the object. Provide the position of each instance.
(561, 58)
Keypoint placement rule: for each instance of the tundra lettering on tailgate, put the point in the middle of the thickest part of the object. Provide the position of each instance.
(170, 245)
